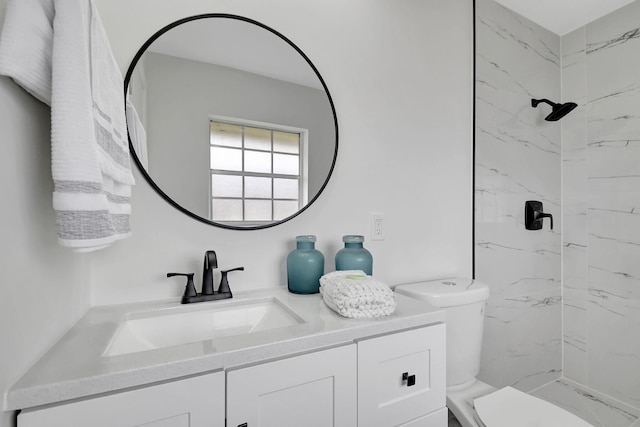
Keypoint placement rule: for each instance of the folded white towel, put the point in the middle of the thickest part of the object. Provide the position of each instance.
(69, 62)
(351, 293)
(26, 46)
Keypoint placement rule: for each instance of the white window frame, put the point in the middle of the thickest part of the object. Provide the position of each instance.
(304, 159)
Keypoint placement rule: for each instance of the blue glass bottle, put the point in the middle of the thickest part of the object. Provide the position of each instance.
(305, 266)
(354, 256)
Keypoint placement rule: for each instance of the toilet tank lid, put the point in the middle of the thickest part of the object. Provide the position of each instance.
(446, 292)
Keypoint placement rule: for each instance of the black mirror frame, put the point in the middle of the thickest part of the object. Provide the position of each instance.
(148, 178)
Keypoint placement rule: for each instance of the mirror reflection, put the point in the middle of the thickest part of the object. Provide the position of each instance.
(230, 122)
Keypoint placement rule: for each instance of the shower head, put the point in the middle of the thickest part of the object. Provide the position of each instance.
(558, 110)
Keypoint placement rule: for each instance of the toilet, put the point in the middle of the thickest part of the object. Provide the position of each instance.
(473, 402)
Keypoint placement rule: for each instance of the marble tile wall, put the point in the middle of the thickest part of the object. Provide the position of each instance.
(586, 170)
(574, 207)
(518, 158)
(602, 313)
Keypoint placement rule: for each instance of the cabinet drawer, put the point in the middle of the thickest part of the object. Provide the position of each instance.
(402, 376)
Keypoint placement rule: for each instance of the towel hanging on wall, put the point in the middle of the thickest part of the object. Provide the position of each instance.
(90, 160)
(26, 46)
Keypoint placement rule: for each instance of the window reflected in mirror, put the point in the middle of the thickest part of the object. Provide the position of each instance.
(258, 172)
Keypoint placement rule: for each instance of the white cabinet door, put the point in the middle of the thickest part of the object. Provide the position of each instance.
(440, 418)
(312, 390)
(401, 377)
(192, 402)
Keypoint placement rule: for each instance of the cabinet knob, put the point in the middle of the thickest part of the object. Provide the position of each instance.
(409, 379)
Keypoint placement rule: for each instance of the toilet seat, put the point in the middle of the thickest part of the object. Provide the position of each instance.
(508, 407)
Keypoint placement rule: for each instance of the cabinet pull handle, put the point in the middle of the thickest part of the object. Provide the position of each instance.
(243, 425)
(409, 379)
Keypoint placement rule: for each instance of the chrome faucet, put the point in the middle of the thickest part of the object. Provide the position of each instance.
(208, 294)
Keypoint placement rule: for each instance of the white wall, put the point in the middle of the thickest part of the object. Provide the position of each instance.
(400, 74)
(44, 288)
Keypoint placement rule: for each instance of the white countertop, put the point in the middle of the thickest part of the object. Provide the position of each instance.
(75, 367)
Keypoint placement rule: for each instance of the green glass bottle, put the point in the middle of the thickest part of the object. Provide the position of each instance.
(354, 256)
(305, 266)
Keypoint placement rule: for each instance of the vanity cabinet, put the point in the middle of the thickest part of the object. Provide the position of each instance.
(392, 380)
(192, 402)
(402, 379)
(312, 390)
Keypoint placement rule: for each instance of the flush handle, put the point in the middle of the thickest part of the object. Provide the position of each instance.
(409, 379)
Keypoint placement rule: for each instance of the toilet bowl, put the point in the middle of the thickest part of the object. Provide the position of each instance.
(474, 403)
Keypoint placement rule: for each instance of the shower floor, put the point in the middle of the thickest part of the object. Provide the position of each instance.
(598, 412)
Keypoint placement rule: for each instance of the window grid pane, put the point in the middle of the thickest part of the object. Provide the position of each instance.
(283, 209)
(226, 135)
(257, 139)
(258, 210)
(227, 186)
(257, 161)
(286, 164)
(226, 209)
(286, 142)
(285, 189)
(258, 187)
(223, 158)
(264, 167)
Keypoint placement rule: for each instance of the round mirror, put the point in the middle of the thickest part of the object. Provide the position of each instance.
(230, 122)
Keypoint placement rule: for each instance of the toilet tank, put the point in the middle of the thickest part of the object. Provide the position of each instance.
(464, 301)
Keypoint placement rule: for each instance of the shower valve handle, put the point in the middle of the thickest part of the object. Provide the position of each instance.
(533, 215)
(542, 215)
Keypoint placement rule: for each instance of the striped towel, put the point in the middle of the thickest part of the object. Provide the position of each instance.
(351, 293)
(90, 161)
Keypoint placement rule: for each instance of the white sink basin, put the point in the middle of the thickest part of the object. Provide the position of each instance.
(198, 322)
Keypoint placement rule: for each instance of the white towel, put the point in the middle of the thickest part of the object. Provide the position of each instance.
(351, 293)
(90, 154)
(26, 46)
(138, 135)
(90, 161)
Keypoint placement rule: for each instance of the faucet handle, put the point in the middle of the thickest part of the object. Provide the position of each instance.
(224, 282)
(190, 288)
